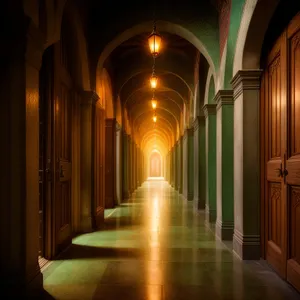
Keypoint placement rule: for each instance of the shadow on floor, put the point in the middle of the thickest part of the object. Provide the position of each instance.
(45, 295)
(82, 251)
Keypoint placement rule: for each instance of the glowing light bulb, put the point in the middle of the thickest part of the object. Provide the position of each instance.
(153, 81)
(154, 118)
(154, 103)
(154, 42)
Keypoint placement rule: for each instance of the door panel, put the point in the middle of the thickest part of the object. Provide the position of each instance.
(63, 158)
(62, 150)
(275, 197)
(293, 159)
(281, 103)
(46, 153)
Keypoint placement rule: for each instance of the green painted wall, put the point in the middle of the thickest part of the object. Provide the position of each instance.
(235, 21)
(190, 167)
(227, 163)
(211, 131)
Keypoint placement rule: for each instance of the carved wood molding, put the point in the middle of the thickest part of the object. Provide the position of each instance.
(209, 109)
(245, 80)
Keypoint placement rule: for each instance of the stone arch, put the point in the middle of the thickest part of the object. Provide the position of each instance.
(104, 91)
(226, 74)
(144, 27)
(54, 17)
(254, 24)
(209, 88)
(118, 111)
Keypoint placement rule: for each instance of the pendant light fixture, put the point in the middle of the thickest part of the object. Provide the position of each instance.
(154, 41)
(154, 102)
(154, 117)
(153, 78)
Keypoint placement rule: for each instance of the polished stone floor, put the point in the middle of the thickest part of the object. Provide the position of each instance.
(155, 247)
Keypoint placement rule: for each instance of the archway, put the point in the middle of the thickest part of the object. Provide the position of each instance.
(155, 164)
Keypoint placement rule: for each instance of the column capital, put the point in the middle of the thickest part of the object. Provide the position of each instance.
(110, 122)
(198, 121)
(223, 97)
(209, 109)
(118, 126)
(188, 132)
(89, 97)
(245, 80)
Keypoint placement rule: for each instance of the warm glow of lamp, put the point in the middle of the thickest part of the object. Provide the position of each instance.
(154, 103)
(154, 41)
(153, 81)
(154, 118)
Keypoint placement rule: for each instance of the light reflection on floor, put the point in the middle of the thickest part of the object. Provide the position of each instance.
(155, 247)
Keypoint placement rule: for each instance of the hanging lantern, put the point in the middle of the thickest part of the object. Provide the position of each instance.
(154, 118)
(154, 103)
(153, 81)
(154, 41)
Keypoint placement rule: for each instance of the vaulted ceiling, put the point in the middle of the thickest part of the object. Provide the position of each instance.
(129, 61)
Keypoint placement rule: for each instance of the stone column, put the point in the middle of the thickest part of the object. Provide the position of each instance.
(225, 218)
(175, 167)
(119, 163)
(188, 164)
(210, 144)
(179, 165)
(199, 163)
(135, 167)
(129, 163)
(246, 94)
(125, 168)
(131, 166)
(19, 185)
(110, 162)
(89, 99)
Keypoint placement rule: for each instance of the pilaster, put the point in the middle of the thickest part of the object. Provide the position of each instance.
(110, 162)
(199, 163)
(187, 165)
(210, 144)
(246, 93)
(225, 218)
(119, 163)
(126, 182)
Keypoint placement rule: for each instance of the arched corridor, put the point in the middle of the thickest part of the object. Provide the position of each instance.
(150, 150)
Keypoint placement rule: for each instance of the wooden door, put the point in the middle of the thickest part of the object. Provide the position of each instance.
(281, 141)
(46, 153)
(62, 149)
(292, 163)
(274, 82)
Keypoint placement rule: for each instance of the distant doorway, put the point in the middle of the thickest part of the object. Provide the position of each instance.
(155, 165)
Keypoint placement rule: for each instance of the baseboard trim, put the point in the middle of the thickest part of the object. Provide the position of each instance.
(246, 247)
(224, 230)
(211, 214)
